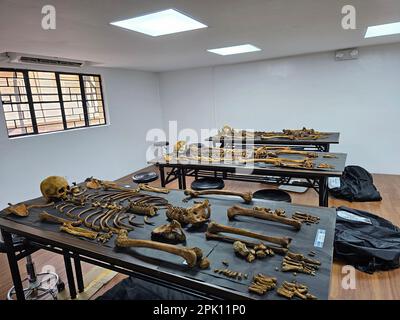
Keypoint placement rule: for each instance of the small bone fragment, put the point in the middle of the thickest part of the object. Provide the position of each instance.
(204, 263)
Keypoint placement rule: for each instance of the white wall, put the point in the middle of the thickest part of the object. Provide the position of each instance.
(109, 152)
(358, 98)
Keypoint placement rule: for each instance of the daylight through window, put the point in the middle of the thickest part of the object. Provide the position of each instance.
(40, 101)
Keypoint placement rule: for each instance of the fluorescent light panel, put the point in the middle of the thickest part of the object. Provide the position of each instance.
(235, 50)
(383, 30)
(160, 23)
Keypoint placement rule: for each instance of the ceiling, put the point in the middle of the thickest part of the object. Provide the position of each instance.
(279, 27)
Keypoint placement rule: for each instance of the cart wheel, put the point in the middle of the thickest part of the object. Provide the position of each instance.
(60, 286)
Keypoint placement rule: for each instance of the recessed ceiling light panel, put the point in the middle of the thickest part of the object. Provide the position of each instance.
(160, 23)
(235, 50)
(383, 30)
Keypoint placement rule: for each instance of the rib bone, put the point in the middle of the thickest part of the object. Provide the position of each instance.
(246, 196)
(191, 255)
(214, 227)
(240, 211)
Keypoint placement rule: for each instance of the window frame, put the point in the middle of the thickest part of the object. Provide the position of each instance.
(25, 73)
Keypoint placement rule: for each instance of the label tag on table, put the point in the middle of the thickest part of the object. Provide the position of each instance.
(319, 238)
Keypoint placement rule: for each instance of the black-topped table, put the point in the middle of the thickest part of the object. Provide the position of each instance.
(316, 178)
(322, 144)
(169, 270)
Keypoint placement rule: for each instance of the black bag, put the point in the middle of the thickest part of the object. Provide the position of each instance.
(366, 241)
(356, 184)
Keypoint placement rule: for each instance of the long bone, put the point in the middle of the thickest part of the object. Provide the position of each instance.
(276, 161)
(293, 137)
(284, 162)
(308, 154)
(259, 214)
(22, 210)
(68, 226)
(146, 187)
(214, 227)
(80, 232)
(228, 239)
(246, 196)
(191, 255)
(93, 183)
(47, 217)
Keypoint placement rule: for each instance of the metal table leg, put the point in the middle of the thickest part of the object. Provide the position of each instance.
(70, 275)
(323, 192)
(179, 174)
(78, 273)
(13, 264)
(327, 147)
(162, 175)
(183, 177)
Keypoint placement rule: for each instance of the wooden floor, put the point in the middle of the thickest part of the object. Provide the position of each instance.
(382, 285)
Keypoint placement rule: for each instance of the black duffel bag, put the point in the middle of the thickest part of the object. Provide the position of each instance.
(356, 184)
(366, 241)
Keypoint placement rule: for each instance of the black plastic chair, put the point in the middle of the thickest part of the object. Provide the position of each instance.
(145, 177)
(272, 195)
(207, 183)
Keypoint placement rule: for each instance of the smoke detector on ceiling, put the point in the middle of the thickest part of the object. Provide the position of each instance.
(346, 54)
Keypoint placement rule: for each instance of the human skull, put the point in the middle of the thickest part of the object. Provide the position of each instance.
(54, 188)
(180, 146)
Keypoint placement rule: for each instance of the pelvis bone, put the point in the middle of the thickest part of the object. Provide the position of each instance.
(196, 215)
(246, 196)
(191, 255)
(216, 228)
(171, 232)
(259, 213)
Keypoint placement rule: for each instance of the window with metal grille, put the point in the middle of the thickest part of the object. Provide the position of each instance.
(36, 102)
